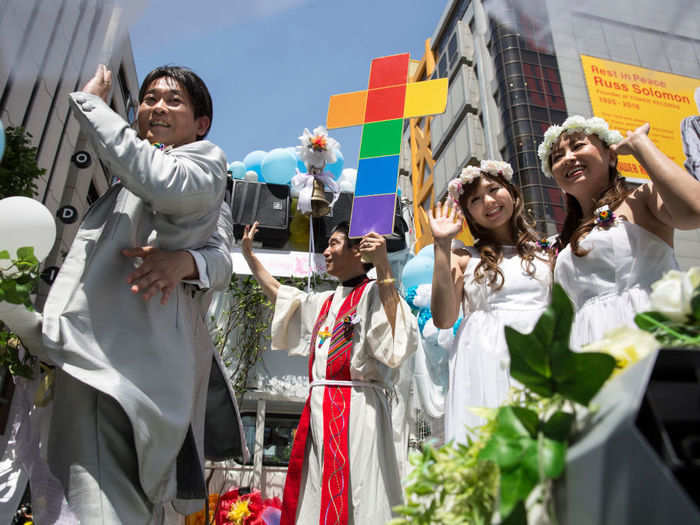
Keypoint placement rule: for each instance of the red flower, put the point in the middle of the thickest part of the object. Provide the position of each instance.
(245, 509)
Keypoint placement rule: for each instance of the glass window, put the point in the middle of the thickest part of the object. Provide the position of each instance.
(442, 67)
(557, 103)
(277, 440)
(518, 96)
(452, 49)
(509, 41)
(511, 55)
(514, 68)
(529, 57)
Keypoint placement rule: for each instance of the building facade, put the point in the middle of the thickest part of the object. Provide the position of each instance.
(50, 49)
(515, 69)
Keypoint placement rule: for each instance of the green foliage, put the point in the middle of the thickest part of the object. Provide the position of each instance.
(248, 321)
(449, 485)
(673, 333)
(542, 361)
(18, 169)
(17, 282)
(523, 443)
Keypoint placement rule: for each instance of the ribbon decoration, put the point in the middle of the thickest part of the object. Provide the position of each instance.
(304, 183)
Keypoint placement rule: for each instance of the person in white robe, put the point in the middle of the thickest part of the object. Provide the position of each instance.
(381, 333)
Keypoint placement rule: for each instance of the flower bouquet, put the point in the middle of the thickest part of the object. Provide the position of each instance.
(235, 508)
(546, 454)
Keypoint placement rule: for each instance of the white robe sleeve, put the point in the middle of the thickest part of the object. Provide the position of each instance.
(380, 344)
(294, 319)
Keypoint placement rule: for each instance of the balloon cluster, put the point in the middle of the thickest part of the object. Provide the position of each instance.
(25, 222)
(417, 277)
(277, 166)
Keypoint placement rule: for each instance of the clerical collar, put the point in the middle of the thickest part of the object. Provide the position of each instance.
(351, 283)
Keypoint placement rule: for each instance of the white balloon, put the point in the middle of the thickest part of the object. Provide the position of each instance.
(251, 176)
(25, 222)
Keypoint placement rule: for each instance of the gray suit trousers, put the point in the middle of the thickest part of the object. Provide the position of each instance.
(91, 451)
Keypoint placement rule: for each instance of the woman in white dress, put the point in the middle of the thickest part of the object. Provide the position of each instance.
(615, 242)
(504, 279)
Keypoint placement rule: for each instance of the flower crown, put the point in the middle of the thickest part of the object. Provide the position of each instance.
(574, 124)
(492, 167)
(317, 149)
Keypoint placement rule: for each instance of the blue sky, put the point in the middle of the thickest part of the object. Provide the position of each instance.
(271, 65)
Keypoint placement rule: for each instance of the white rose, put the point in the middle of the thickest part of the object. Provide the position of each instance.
(626, 344)
(422, 298)
(694, 276)
(671, 294)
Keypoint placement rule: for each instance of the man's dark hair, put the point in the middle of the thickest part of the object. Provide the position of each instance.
(344, 228)
(190, 81)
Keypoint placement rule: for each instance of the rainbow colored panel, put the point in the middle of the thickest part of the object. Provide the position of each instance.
(385, 103)
(389, 71)
(381, 138)
(373, 176)
(381, 110)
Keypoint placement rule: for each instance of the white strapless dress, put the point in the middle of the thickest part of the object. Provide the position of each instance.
(478, 362)
(611, 284)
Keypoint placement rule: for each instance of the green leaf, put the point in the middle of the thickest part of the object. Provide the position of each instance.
(26, 252)
(507, 453)
(4, 254)
(528, 418)
(543, 362)
(528, 362)
(513, 431)
(552, 456)
(589, 372)
(516, 485)
(564, 314)
(518, 515)
(650, 321)
(558, 426)
(695, 305)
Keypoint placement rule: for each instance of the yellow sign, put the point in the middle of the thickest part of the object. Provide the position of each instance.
(629, 96)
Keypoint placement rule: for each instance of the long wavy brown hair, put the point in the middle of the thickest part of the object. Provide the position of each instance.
(576, 226)
(491, 250)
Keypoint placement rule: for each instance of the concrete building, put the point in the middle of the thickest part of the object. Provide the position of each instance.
(513, 75)
(50, 49)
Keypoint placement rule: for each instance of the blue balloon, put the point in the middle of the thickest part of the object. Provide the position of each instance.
(237, 169)
(337, 167)
(300, 165)
(427, 251)
(278, 166)
(417, 271)
(253, 161)
(2, 139)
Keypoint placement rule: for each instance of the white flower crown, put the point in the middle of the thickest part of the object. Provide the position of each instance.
(317, 149)
(573, 124)
(492, 167)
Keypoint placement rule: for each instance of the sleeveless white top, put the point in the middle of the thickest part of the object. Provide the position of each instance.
(611, 284)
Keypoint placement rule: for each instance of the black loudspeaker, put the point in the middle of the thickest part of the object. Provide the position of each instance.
(323, 226)
(266, 203)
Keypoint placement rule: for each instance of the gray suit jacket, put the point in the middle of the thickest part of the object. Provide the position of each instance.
(153, 359)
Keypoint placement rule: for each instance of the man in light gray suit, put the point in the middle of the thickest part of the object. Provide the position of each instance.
(126, 433)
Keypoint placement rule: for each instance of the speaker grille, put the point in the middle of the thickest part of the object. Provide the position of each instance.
(266, 203)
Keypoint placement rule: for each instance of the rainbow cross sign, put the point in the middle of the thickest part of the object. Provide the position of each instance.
(381, 110)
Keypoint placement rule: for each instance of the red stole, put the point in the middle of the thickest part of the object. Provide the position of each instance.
(336, 419)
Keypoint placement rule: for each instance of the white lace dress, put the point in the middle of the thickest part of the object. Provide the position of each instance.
(611, 283)
(478, 365)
